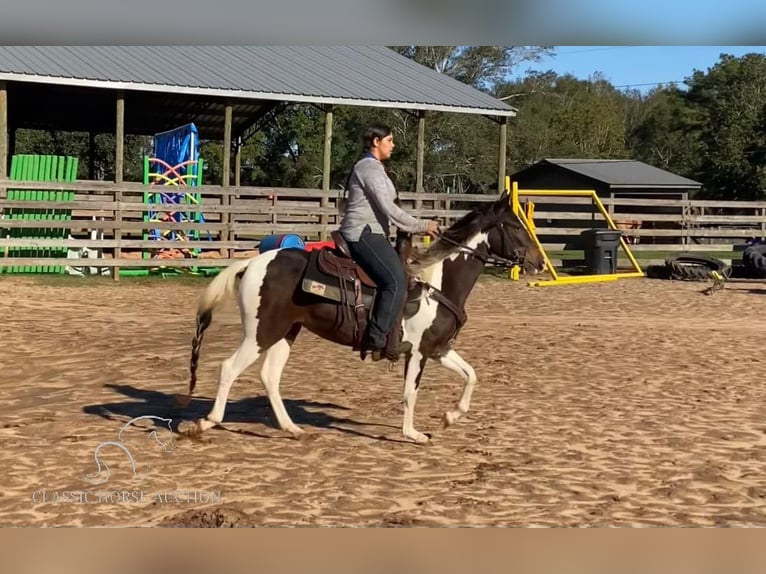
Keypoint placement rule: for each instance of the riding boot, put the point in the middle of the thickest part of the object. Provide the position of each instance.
(394, 337)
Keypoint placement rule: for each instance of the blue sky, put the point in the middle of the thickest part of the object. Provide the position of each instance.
(639, 67)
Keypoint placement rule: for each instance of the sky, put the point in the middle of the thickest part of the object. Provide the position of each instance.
(636, 67)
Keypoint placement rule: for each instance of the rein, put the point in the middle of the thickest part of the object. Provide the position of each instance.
(518, 258)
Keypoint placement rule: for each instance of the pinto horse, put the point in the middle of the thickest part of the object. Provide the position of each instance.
(275, 305)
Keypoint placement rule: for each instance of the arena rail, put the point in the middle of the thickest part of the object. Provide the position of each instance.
(112, 219)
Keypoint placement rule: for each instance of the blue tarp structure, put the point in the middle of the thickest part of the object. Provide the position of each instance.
(174, 168)
(176, 147)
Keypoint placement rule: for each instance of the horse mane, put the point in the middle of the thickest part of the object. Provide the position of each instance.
(459, 233)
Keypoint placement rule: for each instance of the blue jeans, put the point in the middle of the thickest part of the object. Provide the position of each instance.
(375, 254)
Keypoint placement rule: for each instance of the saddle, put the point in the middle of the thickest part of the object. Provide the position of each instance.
(338, 262)
(333, 274)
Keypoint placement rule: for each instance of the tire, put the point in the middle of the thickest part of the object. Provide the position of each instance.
(690, 267)
(754, 259)
(658, 272)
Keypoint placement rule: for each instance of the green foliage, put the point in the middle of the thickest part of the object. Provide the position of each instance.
(78, 144)
(715, 132)
(731, 104)
(562, 117)
(667, 133)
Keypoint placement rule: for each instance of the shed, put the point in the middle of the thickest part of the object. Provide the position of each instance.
(608, 177)
(614, 179)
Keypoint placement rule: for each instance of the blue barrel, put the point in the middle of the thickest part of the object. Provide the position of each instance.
(289, 241)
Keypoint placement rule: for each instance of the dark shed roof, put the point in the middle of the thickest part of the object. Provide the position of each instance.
(623, 173)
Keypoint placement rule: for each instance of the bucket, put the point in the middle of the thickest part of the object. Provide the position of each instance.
(280, 242)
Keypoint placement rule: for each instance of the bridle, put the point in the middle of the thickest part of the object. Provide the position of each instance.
(518, 253)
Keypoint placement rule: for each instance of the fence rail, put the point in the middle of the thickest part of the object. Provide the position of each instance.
(112, 219)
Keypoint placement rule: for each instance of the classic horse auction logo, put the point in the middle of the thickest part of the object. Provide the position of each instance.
(102, 466)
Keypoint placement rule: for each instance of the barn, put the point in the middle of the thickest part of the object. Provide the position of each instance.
(226, 91)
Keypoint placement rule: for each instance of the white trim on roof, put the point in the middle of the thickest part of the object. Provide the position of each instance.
(689, 185)
(249, 95)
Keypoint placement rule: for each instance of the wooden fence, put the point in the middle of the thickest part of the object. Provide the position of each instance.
(235, 218)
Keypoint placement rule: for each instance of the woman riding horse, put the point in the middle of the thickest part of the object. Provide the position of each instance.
(365, 227)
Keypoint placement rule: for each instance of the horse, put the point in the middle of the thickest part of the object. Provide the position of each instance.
(275, 303)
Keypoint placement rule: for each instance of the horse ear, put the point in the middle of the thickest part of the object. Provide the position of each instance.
(503, 203)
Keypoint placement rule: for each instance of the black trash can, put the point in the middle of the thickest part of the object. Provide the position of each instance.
(600, 246)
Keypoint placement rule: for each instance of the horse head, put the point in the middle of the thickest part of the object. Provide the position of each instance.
(509, 238)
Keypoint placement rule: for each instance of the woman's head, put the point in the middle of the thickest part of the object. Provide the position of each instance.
(379, 141)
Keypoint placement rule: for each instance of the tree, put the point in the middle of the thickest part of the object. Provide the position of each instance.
(730, 100)
(479, 66)
(666, 132)
(77, 144)
(561, 116)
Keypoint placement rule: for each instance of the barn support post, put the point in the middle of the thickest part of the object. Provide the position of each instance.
(119, 166)
(501, 154)
(421, 152)
(238, 162)
(91, 155)
(326, 168)
(225, 179)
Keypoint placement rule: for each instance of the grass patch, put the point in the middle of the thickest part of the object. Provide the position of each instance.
(50, 280)
(579, 255)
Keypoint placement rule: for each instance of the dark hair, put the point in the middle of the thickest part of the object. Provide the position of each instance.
(374, 131)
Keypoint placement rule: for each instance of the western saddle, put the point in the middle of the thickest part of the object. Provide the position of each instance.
(339, 263)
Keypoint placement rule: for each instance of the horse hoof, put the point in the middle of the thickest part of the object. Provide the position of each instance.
(419, 438)
(297, 433)
(450, 418)
(182, 400)
(189, 428)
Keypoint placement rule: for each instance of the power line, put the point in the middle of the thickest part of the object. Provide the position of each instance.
(649, 84)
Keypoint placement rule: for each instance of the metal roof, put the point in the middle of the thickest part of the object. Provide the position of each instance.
(344, 75)
(624, 173)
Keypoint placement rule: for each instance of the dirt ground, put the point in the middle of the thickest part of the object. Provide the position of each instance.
(631, 403)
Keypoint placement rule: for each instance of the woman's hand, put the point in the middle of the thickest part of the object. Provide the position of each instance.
(433, 228)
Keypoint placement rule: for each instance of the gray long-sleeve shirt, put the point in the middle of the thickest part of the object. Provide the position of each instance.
(371, 196)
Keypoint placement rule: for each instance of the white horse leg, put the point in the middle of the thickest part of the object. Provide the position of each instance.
(231, 368)
(413, 370)
(455, 362)
(271, 373)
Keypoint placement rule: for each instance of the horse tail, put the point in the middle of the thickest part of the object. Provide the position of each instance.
(221, 286)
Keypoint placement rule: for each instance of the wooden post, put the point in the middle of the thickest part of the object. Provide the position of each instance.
(226, 178)
(91, 155)
(3, 132)
(119, 163)
(420, 156)
(238, 162)
(501, 154)
(326, 168)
